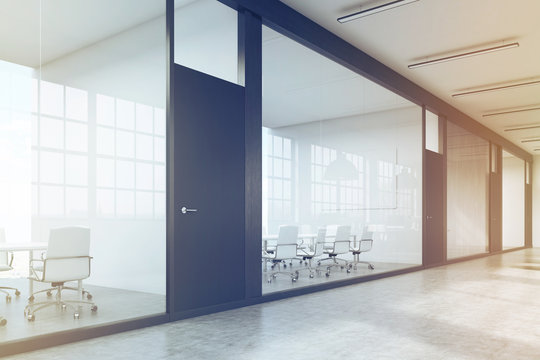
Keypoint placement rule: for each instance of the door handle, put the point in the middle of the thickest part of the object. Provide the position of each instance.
(429, 217)
(186, 210)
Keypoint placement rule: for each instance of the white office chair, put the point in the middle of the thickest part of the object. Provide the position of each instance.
(364, 245)
(285, 249)
(67, 259)
(339, 246)
(5, 265)
(309, 254)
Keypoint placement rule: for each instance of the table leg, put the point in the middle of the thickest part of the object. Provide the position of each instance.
(79, 289)
(30, 281)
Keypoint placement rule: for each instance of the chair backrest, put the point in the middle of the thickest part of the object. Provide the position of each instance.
(319, 245)
(3, 254)
(286, 242)
(342, 242)
(68, 241)
(367, 234)
(67, 254)
(288, 234)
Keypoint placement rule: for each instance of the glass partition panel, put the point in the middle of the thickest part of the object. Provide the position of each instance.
(342, 171)
(467, 193)
(83, 129)
(206, 37)
(432, 132)
(513, 177)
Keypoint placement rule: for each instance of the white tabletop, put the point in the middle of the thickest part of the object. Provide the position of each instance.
(29, 246)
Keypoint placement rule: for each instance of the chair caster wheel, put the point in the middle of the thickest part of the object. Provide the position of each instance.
(89, 296)
(64, 307)
(348, 271)
(49, 294)
(311, 276)
(31, 298)
(17, 293)
(269, 280)
(3, 322)
(31, 317)
(8, 299)
(284, 265)
(327, 274)
(342, 267)
(76, 316)
(94, 308)
(371, 267)
(294, 279)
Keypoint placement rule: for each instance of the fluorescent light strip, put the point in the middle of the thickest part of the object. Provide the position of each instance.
(530, 140)
(523, 128)
(374, 10)
(511, 111)
(504, 87)
(464, 55)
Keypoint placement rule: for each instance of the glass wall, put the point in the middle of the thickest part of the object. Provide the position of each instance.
(206, 38)
(467, 193)
(513, 177)
(342, 171)
(82, 112)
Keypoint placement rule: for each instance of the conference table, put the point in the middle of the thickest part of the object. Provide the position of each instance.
(30, 247)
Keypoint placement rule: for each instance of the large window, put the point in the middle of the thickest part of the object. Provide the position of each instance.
(341, 155)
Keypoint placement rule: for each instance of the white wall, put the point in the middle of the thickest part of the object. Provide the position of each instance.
(513, 204)
(536, 201)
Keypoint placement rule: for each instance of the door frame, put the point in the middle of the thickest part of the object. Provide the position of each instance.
(443, 152)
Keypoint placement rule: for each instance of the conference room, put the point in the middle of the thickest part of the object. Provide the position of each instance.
(82, 153)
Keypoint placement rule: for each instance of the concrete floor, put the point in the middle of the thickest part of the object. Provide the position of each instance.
(482, 309)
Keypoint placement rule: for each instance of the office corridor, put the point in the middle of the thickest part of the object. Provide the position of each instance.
(482, 309)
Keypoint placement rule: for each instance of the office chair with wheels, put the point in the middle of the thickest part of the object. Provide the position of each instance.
(67, 259)
(285, 249)
(309, 254)
(364, 245)
(339, 246)
(5, 265)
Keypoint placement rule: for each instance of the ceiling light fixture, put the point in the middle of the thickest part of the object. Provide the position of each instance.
(497, 88)
(530, 140)
(513, 111)
(374, 10)
(464, 55)
(523, 127)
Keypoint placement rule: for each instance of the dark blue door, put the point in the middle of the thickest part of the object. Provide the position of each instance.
(209, 177)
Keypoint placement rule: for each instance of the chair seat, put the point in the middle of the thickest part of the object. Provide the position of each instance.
(5, 268)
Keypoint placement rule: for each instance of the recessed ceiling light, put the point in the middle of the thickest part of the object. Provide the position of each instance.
(512, 111)
(374, 10)
(497, 88)
(530, 140)
(522, 127)
(464, 55)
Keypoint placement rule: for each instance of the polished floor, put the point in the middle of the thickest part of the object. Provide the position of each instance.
(482, 309)
(283, 281)
(113, 305)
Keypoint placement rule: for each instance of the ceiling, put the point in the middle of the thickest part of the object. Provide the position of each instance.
(428, 29)
(301, 86)
(66, 25)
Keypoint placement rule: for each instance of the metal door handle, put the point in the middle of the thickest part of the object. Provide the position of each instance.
(429, 217)
(186, 210)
